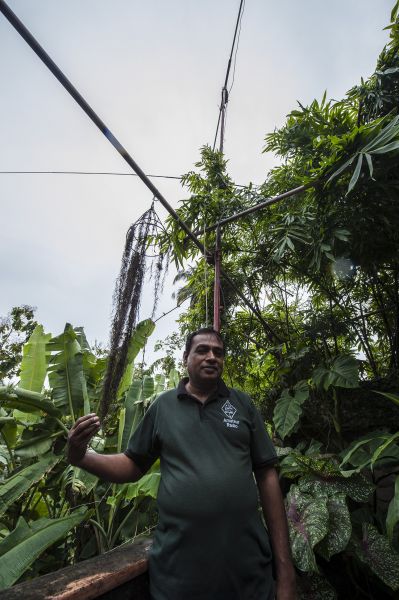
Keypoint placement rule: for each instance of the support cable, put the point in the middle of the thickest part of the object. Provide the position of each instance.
(225, 92)
(50, 64)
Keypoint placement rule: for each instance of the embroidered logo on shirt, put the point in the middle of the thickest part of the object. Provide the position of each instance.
(228, 409)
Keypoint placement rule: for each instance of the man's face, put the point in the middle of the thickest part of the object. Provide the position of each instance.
(205, 360)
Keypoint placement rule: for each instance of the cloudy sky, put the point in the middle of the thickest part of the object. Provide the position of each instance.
(153, 72)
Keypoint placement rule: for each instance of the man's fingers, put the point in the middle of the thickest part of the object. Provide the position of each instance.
(84, 420)
(84, 436)
(84, 424)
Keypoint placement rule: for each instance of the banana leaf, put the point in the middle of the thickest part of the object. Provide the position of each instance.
(16, 485)
(138, 340)
(30, 544)
(66, 375)
(26, 401)
(34, 361)
(134, 412)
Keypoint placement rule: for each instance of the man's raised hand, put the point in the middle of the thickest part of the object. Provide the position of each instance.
(79, 437)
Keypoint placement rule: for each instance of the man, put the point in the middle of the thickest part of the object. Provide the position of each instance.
(210, 543)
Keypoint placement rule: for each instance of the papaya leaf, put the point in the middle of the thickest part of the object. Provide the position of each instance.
(393, 512)
(339, 527)
(13, 487)
(43, 533)
(343, 372)
(308, 525)
(288, 409)
(375, 551)
(34, 360)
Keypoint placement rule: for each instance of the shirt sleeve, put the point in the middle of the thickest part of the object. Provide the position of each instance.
(143, 447)
(263, 453)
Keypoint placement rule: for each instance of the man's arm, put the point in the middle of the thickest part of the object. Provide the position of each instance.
(274, 512)
(116, 468)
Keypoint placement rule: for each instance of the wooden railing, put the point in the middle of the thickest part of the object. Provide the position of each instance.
(120, 574)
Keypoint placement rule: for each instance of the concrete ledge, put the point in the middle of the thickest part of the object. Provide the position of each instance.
(89, 579)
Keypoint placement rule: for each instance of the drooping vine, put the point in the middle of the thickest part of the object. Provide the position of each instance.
(127, 297)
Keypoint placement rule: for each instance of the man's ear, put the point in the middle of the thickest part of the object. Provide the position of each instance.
(185, 359)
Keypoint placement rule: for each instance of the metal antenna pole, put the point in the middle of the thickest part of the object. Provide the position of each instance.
(216, 288)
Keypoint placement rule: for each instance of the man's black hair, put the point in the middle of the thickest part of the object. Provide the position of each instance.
(203, 330)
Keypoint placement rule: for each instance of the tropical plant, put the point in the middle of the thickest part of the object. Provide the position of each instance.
(44, 502)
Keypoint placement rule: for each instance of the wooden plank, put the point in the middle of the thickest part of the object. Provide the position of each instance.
(89, 579)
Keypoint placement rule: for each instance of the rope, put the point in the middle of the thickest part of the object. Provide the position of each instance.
(84, 173)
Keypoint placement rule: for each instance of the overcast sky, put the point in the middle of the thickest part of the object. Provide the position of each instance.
(153, 72)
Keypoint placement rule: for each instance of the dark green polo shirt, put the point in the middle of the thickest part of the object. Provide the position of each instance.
(210, 542)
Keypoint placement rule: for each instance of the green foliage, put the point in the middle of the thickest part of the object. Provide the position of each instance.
(374, 550)
(34, 361)
(15, 329)
(308, 525)
(287, 411)
(13, 487)
(29, 542)
(39, 492)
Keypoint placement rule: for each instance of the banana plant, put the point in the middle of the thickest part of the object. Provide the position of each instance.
(39, 491)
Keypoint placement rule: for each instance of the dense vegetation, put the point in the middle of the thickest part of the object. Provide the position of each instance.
(320, 356)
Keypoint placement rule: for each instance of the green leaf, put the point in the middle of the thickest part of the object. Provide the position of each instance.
(308, 525)
(137, 342)
(134, 411)
(65, 373)
(15, 536)
(356, 174)
(382, 448)
(393, 512)
(146, 486)
(173, 379)
(342, 373)
(339, 527)
(34, 361)
(375, 551)
(148, 387)
(393, 397)
(288, 409)
(315, 587)
(16, 485)
(387, 148)
(356, 487)
(34, 542)
(26, 401)
(370, 164)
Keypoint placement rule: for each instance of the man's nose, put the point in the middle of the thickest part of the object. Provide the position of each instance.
(211, 355)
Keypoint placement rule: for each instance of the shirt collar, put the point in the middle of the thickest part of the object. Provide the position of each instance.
(222, 390)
